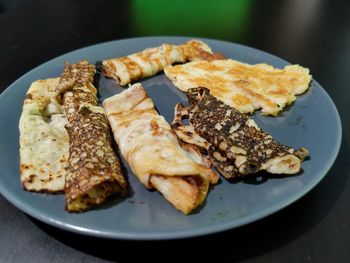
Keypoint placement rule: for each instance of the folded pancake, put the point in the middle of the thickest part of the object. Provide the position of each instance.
(234, 142)
(43, 139)
(242, 86)
(150, 61)
(195, 50)
(153, 152)
(93, 171)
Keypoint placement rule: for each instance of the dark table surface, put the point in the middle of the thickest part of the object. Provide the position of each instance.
(313, 33)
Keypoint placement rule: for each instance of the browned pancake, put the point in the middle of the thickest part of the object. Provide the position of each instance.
(93, 171)
(150, 61)
(242, 86)
(234, 142)
(153, 152)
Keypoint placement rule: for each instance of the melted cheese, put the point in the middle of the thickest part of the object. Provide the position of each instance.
(43, 139)
(243, 86)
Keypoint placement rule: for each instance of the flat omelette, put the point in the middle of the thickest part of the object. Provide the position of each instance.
(245, 87)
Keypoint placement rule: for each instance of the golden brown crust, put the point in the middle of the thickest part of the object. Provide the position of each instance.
(184, 192)
(80, 75)
(198, 50)
(150, 61)
(153, 151)
(94, 171)
(242, 86)
(142, 64)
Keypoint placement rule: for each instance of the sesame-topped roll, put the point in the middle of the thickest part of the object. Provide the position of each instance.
(93, 171)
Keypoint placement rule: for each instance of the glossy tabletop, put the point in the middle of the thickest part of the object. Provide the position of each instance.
(314, 33)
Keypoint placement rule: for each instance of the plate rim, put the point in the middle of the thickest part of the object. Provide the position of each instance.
(199, 231)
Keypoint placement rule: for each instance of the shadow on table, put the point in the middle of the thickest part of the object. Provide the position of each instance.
(243, 243)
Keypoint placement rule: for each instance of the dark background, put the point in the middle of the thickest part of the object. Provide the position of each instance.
(313, 33)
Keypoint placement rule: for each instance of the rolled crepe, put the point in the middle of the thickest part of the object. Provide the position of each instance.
(43, 139)
(195, 50)
(235, 144)
(150, 61)
(153, 152)
(93, 171)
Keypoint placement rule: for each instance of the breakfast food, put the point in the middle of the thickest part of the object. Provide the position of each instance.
(43, 139)
(66, 142)
(198, 50)
(93, 171)
(242, 86)
(150, 61)
(235, 144)
(153, 152)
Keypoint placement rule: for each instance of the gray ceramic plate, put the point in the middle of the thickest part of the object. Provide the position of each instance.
(312, 121)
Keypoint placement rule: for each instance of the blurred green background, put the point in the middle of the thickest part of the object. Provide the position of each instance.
(215, 19)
